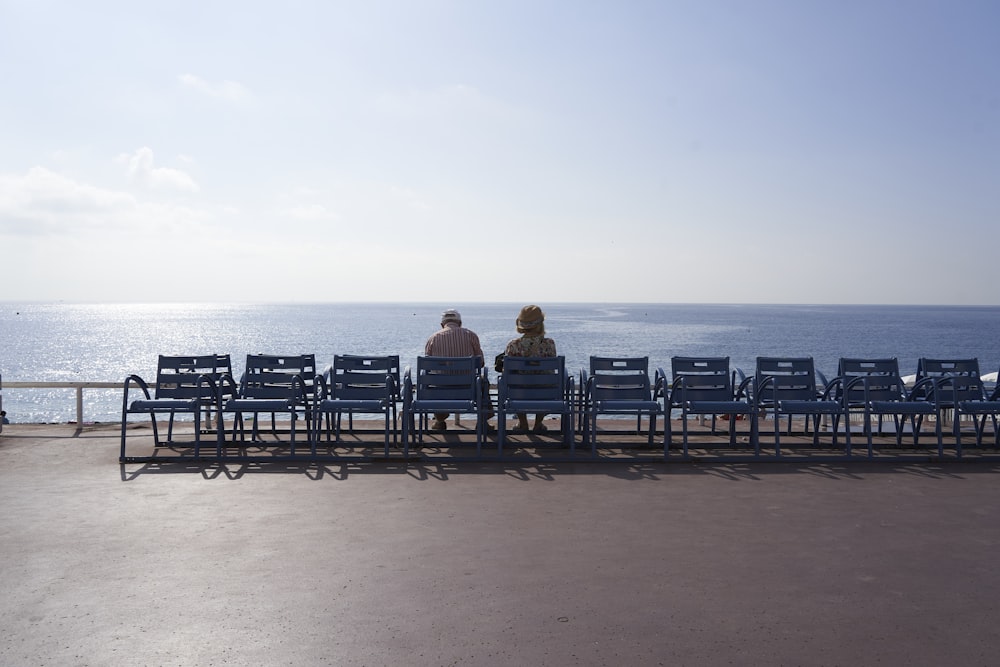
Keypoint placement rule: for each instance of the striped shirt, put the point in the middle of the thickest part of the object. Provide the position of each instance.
(453, 340)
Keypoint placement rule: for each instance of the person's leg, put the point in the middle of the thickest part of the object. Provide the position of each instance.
(539, 426)
(522, 421)
(440, 422)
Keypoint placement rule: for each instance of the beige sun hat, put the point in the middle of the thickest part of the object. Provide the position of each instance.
(531, 320)
(451, 315)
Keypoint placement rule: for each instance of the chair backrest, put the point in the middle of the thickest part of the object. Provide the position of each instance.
(269, 376)
(850, 367)
(359, 377)
(701, 378)
(619, 378)
(882, 380)
(935, 368)
(785, 379)
(534, 378)
(448, 378)
(178, 376)
(965, 383)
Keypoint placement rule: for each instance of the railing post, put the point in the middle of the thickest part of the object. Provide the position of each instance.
(79, 406)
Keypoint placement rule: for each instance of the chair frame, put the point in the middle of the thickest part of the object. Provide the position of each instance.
(621, 386)
(886, 395)
(979, 410)
(706, 386)
(853, 393)
(357, 384)
(788, 387)
(272, 383)
(536, 385)
(444, 384)
(185, 384)
(957, 382)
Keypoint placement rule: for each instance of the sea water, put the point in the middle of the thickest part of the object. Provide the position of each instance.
(107, 342)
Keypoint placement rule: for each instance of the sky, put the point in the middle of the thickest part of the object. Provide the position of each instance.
(703, 151)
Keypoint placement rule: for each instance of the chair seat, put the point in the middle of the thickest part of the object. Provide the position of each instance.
(984, 407)
(719, 407)
(333, 404)
(810, 407)
(903, 407)
(528, 405)
(443, 405)
(628, 406)
(158, 404)
(258, 405)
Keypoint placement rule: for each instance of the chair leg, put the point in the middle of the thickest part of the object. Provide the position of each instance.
(777, 432)
(197, 433)
(684, 432)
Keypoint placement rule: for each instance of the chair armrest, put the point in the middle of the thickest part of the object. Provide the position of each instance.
(321, 386)
(140, 383)
(392, 388)
(746, 387)
(407, 388)
(930, 386)
(839, 382)
(570, 388)
(300, 390)
(228, 380)
(660, 383)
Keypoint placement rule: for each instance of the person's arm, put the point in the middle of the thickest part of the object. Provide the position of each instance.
(429, 347)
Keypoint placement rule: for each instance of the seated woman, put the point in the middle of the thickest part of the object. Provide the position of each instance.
(532, 343)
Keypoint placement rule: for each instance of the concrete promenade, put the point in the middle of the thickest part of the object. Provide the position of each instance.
(442, 563)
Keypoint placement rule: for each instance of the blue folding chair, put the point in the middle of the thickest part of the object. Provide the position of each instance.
(706, 386)
(184, 385)
(444, 385)
(787, 386)
(980, 409)
(620, 386)
(537, 385)
(273, 384)
(357, 384)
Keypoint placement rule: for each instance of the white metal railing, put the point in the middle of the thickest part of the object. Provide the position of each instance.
(78, 386)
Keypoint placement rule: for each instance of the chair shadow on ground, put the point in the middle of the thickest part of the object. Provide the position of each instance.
(548, 471)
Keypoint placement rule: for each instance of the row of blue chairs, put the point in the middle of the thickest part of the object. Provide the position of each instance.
(782, 388)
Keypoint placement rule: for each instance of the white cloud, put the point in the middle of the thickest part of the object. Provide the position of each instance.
(42, 201)
(310, 212)
(230, 91)
(141, 170)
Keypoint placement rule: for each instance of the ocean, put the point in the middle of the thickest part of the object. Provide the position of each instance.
(107, 342)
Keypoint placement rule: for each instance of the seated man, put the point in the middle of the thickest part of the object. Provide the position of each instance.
(453, 340)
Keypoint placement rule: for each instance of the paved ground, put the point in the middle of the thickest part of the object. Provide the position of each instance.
(440, 563)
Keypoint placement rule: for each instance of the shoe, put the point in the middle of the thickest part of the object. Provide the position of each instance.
(439, 425)
(540, 428)
(490, 428)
